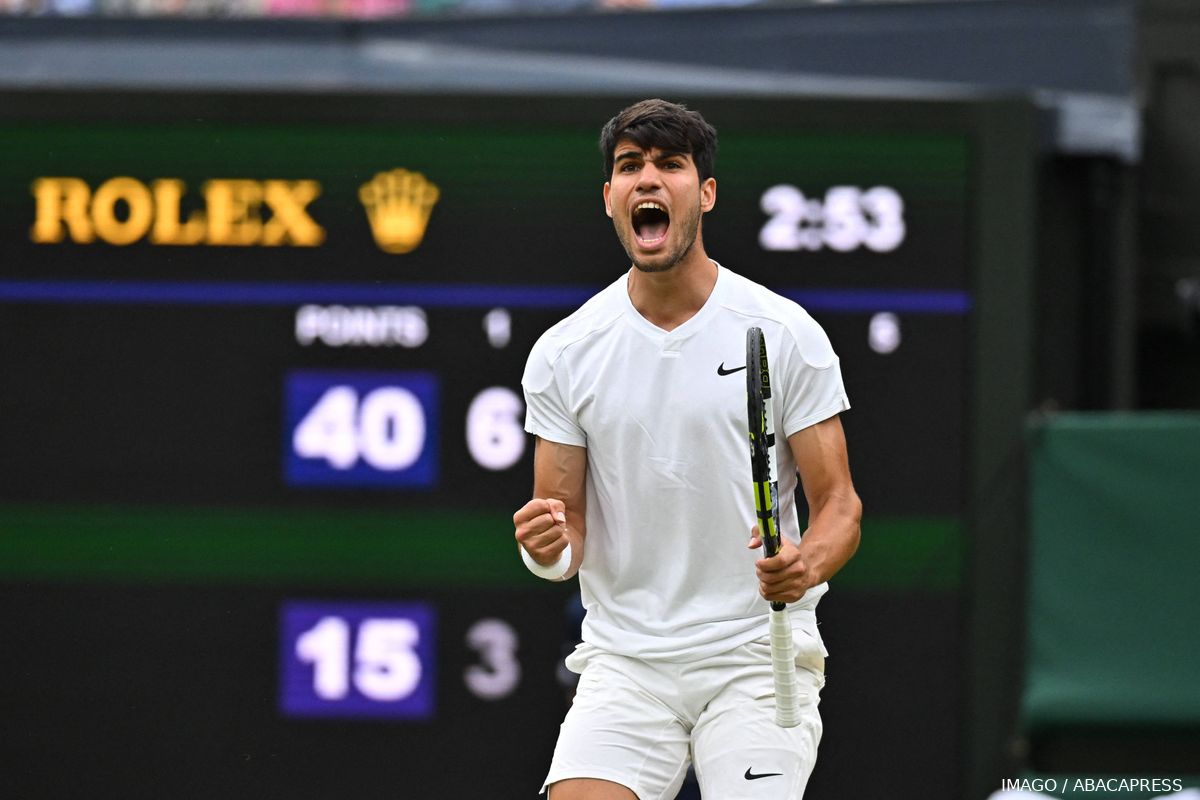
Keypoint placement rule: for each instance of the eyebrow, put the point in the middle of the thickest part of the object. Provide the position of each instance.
(628, 155)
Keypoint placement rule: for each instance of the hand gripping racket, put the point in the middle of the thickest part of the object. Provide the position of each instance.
(766, 504)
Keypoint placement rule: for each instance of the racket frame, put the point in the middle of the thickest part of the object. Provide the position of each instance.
(763, 465)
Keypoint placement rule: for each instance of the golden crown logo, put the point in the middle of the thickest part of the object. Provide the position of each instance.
(398, 205)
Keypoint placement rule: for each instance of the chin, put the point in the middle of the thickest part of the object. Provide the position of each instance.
(661, 262)
(659, 267)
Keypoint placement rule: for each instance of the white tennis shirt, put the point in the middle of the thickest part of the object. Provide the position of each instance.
(666, 573)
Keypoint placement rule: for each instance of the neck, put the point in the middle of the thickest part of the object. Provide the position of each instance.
(670, 298)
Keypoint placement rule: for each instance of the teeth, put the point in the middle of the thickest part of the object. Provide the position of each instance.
(656, 206)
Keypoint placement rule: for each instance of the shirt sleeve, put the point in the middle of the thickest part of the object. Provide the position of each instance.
(547, 410)
(810, 376)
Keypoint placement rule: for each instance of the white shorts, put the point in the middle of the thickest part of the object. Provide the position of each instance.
(640, 724)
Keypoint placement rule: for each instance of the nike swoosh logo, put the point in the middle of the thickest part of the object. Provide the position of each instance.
(722, 371)
(750, 776)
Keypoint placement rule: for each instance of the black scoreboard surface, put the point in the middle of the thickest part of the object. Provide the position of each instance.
(261, 428)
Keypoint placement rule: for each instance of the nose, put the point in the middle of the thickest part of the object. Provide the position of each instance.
(649, 177)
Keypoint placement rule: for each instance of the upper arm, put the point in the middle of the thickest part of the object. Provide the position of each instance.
(820, 454)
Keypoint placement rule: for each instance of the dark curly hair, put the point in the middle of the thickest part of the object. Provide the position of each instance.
(667, 126)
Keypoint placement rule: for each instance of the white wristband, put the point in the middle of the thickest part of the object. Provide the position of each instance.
(552, 572)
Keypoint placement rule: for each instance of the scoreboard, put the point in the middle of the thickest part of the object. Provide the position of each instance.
(262, 418)
(230, 312)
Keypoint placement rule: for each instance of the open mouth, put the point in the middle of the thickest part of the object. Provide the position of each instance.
(650, 223)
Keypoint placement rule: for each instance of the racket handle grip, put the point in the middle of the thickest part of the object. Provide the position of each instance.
(783, 664)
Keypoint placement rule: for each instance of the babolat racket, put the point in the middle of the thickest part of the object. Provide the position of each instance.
(766, 504)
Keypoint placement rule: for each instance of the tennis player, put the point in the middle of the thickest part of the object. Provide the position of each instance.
(641, 487)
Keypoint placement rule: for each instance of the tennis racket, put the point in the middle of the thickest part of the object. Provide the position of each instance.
(766, 504)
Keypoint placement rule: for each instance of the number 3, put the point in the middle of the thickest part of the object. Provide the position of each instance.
(497, 677)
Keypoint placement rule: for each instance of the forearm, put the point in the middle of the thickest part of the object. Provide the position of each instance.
(832, 537)
(835, 511)
(555, 519)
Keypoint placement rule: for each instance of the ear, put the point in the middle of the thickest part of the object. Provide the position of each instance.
(607, 199)
(708, 194)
